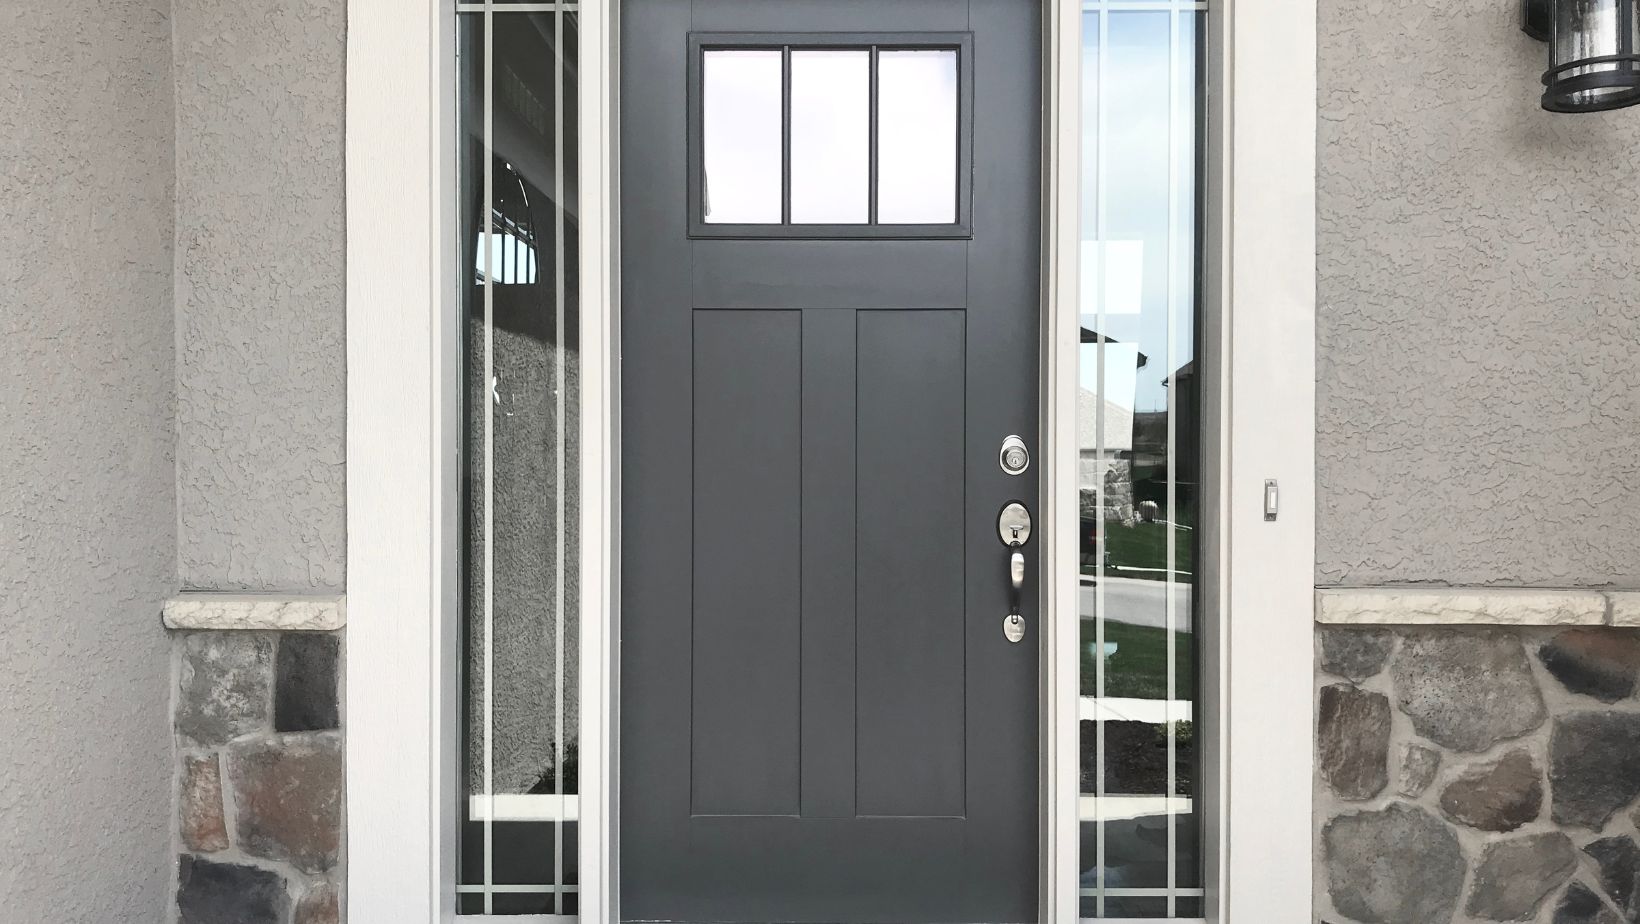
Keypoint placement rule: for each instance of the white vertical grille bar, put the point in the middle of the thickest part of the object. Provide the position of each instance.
(1099, 454)
(490, 394)
(1169, 638)
(563, 433)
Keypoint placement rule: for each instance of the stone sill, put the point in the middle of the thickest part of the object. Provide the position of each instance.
(276, 612)
(1475, 606)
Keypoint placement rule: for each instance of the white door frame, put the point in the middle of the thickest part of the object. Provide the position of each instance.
(403, 423)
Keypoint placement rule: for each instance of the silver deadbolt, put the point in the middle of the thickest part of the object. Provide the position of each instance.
(1014, 458)
(1014, 529)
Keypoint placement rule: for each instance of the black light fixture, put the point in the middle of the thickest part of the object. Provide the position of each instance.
(1594, 52)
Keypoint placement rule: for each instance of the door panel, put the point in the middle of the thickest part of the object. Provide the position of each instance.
(910, 675)
(748, 562)
(821, 719)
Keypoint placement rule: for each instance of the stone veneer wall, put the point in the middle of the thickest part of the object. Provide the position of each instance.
(1477, 774)
(257, 720)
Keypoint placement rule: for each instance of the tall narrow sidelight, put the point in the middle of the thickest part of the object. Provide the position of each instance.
(519, 240)
(1138, 434)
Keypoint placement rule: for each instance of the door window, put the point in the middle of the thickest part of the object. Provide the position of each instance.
(819, 136)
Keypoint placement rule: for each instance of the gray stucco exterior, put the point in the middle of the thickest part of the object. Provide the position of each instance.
(1478, 309)
(87, 494)
(261, 393)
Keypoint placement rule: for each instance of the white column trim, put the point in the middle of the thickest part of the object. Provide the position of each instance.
(403, 414)
(1263, 224)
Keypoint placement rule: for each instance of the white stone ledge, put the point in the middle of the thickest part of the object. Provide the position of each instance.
(1471, 606)
(280, 612)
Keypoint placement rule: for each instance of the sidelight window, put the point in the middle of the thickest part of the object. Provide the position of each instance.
(1139, 428)
(829, 136)
(519, 297)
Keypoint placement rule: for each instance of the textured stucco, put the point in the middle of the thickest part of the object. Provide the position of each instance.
(87, 486)
(259, 288)
(1479, 309)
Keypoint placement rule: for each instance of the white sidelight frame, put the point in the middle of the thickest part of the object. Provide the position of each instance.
(403, 448)
(1258, 357)
(404, 415)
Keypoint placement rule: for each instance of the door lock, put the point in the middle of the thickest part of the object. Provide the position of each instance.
(1014, 458)
(1014, 529)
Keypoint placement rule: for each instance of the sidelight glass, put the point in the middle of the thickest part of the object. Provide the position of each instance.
(519, 598)
(831, 136)
(742, 135)
(1139, 425)
(917, 136)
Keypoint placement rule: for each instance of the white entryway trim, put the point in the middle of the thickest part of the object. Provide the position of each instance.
(402, 444)
(403, 417)
(1261, 347)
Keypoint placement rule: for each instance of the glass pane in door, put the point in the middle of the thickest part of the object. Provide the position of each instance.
(1139, 470)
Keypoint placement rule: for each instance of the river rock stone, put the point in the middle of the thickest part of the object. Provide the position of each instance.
(224, 687)
(1594, 766)
(1515, 876)
(288, 799)
(204, 830)
(1418, 768)
(1466, 690)
(1595, 661)
(1619, 862)
(305, 694)
(1500, 796)
(1352, 741)
(321, 905)
(1398, 865)
(218, 893)
(1354, 654)
(1580, 905)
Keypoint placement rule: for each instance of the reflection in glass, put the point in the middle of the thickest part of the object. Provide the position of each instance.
(1137, 424)
(518, 237)
(741, 130)
(917, 137)
(831, 136)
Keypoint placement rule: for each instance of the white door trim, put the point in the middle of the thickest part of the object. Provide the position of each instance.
(402, 444)
(1261, 347)
(403, 418)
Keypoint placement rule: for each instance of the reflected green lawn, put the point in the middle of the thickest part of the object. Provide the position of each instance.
(1138, 666)
(1140, 551)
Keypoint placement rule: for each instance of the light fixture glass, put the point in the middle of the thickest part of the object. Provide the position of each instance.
(1594, 53)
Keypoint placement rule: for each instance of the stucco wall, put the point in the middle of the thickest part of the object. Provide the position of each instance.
(260, 336)
(87, 486)
(1479, 309)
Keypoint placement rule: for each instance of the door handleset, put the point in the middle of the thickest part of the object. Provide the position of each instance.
(1014, 529)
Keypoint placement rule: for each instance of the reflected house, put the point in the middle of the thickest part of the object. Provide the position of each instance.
(1150, 443)
(1105, 429)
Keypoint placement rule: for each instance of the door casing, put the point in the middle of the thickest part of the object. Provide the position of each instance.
(403, 427)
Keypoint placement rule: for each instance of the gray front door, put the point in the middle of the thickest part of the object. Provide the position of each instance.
(830, 299)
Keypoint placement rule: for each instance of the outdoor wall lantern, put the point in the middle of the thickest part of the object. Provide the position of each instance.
(1594, 52)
